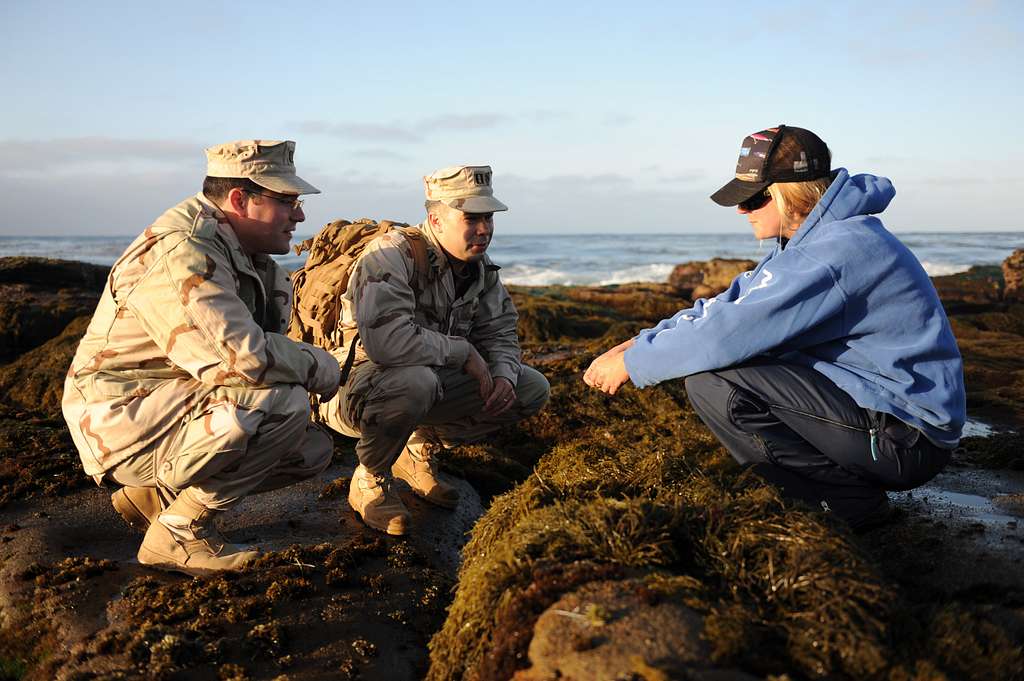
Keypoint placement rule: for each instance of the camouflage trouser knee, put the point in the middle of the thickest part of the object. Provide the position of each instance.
(385, 407)
(235, 442)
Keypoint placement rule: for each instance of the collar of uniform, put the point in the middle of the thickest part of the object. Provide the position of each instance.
(439, 259)
(210, 209)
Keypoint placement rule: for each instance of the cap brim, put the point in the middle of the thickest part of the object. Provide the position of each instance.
(476, 204)
(285, 184)
(737, 191)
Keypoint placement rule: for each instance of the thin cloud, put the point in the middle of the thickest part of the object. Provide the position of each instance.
(481, 121)
(417, 131)
(888, 160)
(585, 182)
(618, 120)
(94, 203)
(43, 155)
(953, 181)
(546, 115)
(362, 131)
(592, 203)
(385, 154)
(684, 178)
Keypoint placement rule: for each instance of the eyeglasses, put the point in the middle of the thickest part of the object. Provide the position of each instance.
(756, 201)
(294, 204)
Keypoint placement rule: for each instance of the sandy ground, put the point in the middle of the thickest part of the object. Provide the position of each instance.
(85, 524)
(963, 533)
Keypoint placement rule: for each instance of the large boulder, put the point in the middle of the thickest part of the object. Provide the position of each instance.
(615, 630)
(39, 297)
(705, 279)
(1013, 275)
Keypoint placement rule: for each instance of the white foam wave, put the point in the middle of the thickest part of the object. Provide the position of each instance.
(938, 269)
(529, 275)
(526, 275)
(645, 273)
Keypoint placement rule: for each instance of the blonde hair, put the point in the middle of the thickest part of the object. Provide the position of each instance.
(795, 200)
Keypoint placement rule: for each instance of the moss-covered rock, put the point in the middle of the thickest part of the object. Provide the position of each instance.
(614, 489)
(1013, 276)
(40, 296)
(628, 496)
(34, 382)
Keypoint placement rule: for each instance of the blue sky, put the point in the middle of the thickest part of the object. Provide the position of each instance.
(598, 116)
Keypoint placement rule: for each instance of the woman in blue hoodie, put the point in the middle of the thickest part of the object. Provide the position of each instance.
(830, 368)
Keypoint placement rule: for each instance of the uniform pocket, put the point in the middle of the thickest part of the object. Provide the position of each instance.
(213, 440)
(462, 319)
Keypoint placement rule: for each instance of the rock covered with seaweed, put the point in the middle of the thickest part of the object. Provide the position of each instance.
(1013, 276)
(605, 518)
(40, 296)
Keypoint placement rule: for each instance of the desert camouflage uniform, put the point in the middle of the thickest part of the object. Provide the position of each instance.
(411, 349)
(184, 377)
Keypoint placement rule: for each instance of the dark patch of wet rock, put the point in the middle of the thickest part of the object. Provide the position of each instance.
(39, 297)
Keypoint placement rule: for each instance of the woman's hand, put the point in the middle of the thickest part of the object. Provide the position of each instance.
(608, 372)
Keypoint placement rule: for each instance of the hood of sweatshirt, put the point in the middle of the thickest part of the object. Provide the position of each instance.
(848, 196)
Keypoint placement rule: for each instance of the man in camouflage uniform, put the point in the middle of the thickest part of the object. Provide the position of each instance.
(185, 390)
(437, 359)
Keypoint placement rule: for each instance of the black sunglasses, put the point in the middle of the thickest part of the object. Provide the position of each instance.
(756, 201)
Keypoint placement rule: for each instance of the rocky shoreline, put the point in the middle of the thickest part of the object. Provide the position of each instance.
(607, 538)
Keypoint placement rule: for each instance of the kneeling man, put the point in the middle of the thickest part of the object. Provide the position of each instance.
(185, 390)
(437, 357)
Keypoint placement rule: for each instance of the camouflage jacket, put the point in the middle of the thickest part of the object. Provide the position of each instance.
(401, 327)
(184, 311)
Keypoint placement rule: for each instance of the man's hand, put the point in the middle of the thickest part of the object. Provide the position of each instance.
(329, 390)
(501, 398)
(476, 367)
(608, 372)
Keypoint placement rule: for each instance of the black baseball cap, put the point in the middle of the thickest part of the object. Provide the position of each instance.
(780, 154)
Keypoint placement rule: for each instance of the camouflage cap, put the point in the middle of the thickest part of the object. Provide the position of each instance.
(268, 163)
(465, 188)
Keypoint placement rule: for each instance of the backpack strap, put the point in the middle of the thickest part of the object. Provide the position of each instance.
(349, 360)
(420, 276)
(420, 258)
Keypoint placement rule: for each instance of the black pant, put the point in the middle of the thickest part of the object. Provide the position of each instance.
(801, 432)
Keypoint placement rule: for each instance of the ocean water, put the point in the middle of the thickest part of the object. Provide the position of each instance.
(596, 259)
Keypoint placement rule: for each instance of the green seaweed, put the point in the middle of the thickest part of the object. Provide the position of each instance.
(635, 484)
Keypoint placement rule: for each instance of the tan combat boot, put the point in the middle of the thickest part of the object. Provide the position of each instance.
(372, 498)
(185, 539)
(417, 465)
(139, 506)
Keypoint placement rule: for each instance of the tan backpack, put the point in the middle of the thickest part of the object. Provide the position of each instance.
(319, 284)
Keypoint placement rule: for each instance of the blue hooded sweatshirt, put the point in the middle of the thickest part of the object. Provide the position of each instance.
(844, 297)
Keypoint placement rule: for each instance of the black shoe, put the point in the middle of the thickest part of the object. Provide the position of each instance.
(880, 515)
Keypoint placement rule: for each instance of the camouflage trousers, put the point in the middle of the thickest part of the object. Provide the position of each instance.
(386, 407)
(236, 442)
